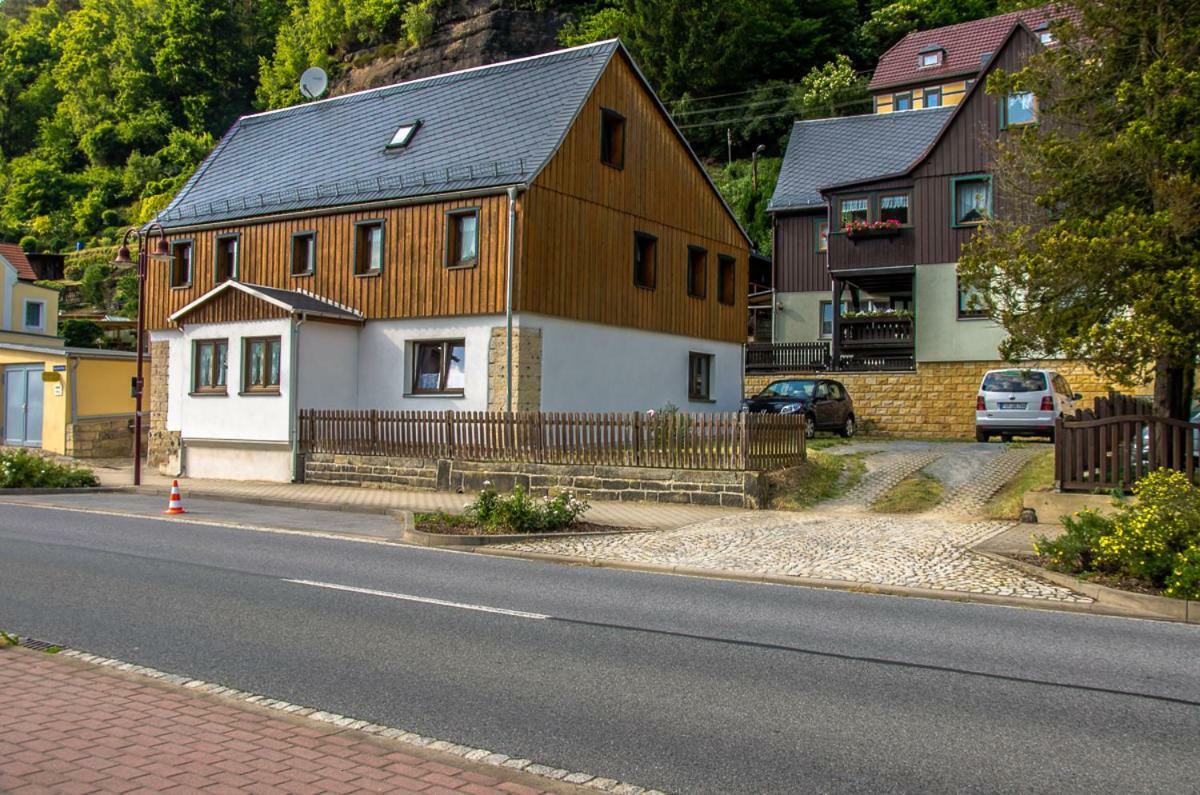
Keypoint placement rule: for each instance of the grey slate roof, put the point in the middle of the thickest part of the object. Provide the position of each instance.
(825, 152)
(486, 127)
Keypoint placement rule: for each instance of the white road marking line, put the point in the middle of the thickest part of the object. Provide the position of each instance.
(422, 599)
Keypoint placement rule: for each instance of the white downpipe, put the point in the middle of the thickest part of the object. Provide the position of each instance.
(294, 393)
(508, 298)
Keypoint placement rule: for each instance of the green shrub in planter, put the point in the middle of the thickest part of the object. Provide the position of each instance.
(21, 469)
(521, 513)
(1156, 539)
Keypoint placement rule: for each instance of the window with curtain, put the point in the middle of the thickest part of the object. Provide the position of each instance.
(260, 364)
(439, 367)
(894, 208)
(854, 210)
(972, 200)
(209, 359)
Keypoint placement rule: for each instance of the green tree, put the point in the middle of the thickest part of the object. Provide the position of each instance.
(748, 202)
(834, 89)
(82, 333)
(1094, 251)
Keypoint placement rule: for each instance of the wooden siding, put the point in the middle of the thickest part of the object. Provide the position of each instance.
(233, 305)
(799, 267)
(579, 218)
(413, 282)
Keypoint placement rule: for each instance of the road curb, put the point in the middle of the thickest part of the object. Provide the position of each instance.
(480, 756)
(1111, 600)
(1095, 608)
(420, 538)
(51, 492)
(273, 502)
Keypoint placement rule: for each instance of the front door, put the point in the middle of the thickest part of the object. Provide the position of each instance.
(23, 405)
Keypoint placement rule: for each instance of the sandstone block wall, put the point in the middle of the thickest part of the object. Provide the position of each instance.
(623, 484)
(102, 437)
(937, 401)
(162, 446)
(527, 369)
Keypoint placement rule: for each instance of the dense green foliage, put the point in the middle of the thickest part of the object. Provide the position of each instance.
(1155, 540)
(520, 513)
(21, 469)
(1102, 265)
(107, 106)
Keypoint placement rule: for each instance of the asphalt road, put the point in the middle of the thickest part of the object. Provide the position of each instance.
(683, 684)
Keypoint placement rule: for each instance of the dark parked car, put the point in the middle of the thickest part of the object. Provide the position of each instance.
(825, 404)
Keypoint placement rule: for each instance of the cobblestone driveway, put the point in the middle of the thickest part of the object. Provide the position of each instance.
(842, 540)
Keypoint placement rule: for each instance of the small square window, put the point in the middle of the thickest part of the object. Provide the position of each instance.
(645, 260)
(700, 376)
(462, 238)
(929, 59)
(697, 274)
(822, 236)
(225, 263)
(404, 134)
(933, 97)
(1046, 37)
(727, 280)
(902, 101)
(972, 200)
(368, 248)
(260, 364)
(439, 367)
(181, 264)
(612, 138)
(972, 304)
(1020, 109)
(854, 210)
(35, 315)
(209, 360)
(894, 208)
(304, 253)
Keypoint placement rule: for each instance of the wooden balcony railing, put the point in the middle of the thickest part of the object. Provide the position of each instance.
(876, 333)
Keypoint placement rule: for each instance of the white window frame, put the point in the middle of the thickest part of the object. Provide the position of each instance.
(41, 314)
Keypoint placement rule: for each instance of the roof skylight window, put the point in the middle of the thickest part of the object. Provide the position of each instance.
(404, 134)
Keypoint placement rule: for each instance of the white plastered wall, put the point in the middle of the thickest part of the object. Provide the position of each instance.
(385, 362)
(592, 367)
(328, 365)
(941, 335)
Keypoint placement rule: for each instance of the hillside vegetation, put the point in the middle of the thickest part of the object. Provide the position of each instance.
(107, 106)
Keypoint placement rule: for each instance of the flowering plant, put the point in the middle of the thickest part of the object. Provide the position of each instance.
(520, 513)
(854, 227)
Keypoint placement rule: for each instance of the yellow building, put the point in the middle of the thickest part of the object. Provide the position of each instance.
(28, 312)
(70, 401)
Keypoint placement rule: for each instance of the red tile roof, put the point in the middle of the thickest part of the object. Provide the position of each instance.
(16, 257)
(964, 45)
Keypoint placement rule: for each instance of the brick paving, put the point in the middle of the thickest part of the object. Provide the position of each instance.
(73, 727)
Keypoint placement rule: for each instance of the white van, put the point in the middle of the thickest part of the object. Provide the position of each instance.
(1021, 402)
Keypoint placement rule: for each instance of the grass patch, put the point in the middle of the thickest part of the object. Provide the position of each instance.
(916, 493)
(824, 476)
(1036, 474)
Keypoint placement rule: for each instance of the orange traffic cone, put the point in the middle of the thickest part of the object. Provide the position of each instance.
(176, 504)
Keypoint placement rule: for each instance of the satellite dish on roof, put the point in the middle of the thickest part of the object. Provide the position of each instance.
(313, 82)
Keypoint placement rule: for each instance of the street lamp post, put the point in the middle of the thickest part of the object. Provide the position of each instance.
(161, 251)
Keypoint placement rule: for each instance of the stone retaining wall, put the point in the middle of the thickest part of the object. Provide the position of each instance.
(591, 482)
(937, 401)
(162, 446)
(102, 437)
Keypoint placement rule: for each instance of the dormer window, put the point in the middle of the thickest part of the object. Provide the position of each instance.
(930, 58)
(1046, 37)
(404, 134)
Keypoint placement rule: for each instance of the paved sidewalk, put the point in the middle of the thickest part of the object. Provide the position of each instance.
(73, 727)
(350, 498)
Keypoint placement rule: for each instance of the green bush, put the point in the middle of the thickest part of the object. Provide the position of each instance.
(521, 513)
(21, 469)
(1156, 539)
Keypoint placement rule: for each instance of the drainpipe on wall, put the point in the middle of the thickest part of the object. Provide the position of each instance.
(294, 394)
(72, 371)
(513, 192)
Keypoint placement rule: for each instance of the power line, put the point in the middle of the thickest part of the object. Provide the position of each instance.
(743, 119)
(859, 72)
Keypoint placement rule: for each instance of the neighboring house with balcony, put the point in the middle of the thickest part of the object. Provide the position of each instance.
(936, 68)
(870, 216)
(533, 235)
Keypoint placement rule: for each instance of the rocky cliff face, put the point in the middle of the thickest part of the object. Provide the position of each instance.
(467, 33)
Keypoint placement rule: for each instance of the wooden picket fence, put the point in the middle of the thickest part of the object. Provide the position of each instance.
(1117, 442)
(724, 441)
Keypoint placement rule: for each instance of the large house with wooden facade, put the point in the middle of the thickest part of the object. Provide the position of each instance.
(935, 68)
(531, 235)
(870, 216)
